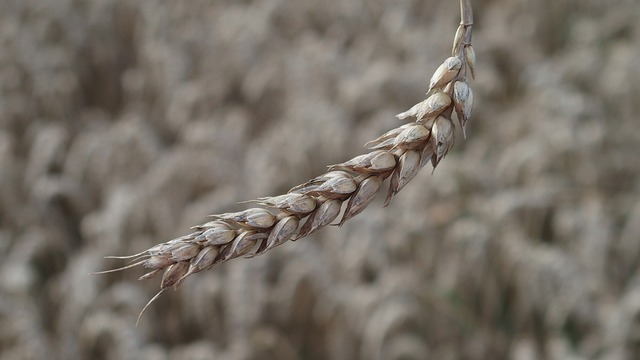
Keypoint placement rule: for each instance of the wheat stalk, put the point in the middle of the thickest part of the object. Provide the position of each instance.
(398, 154)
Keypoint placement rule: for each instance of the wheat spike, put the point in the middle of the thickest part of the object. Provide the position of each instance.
(398, 155)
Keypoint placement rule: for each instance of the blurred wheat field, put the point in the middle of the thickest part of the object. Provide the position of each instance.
(123, 123)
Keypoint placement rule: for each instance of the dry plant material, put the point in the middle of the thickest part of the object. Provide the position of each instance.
(398, 155)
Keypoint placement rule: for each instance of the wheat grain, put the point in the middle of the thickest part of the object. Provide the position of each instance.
(398, 155)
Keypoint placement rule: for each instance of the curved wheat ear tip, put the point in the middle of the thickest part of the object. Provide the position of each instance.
(396, 155)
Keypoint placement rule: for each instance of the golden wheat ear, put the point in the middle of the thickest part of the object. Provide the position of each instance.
(396, 155)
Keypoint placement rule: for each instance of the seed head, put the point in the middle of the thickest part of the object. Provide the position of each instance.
(397, 154)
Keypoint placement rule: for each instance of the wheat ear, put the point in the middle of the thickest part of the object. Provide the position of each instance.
(398, 154)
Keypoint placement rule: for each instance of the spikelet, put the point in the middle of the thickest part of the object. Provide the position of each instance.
(458, 38)
(252, 218)
(366, 191)
(463, 103)
(436, 103)
(442, 139)
(470, 57)
(379, 161)
(445, 73)
(407, 169)
(323, 216)
(292, 203)
(280, 234)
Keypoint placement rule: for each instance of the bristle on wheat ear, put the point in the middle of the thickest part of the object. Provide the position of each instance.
(396, 155)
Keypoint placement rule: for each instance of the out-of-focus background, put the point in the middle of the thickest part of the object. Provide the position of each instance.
(123, 123)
